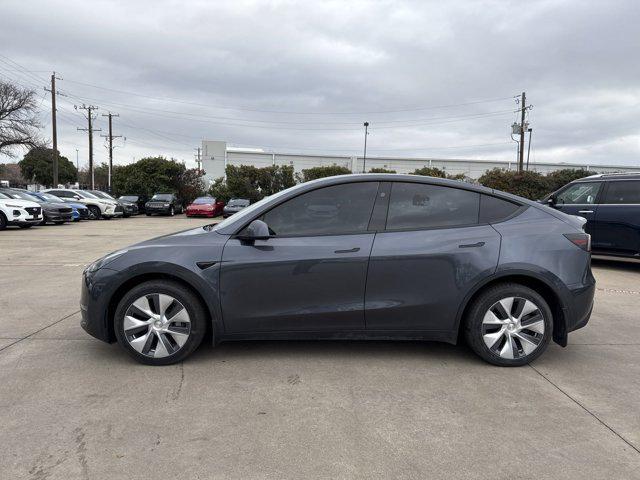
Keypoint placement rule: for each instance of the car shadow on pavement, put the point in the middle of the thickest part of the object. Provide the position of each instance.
(628, 265)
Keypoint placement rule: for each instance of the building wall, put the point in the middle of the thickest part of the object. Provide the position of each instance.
(216, 156)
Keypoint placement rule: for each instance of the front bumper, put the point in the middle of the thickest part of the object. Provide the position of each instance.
(20, 216)
(94, 303)
(161, 210)
(200, 213)
(57, 217)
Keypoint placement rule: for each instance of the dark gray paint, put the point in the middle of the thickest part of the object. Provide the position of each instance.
(416, 284)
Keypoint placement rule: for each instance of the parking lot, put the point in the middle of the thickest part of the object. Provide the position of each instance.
(74, 407)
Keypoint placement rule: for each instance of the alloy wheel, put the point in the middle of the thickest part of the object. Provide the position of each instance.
(513, 328)
(157, 325)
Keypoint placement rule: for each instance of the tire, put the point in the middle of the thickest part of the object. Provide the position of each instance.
(95, 212)
(26, 226)
(148, 214)
(146, 336)
(509, 325)
(3, 221)
(172, 211)
(58, 223)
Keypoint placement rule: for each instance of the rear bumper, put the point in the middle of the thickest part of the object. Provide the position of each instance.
(577, 308)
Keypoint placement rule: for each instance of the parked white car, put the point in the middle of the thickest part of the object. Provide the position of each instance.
(99, 207)
(22, 213)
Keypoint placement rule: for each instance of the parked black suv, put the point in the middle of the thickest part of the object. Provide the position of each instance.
(164, 204)
(611, 205)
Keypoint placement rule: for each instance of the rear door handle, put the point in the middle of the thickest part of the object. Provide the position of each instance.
(585, 211)
(350, 250)
(471, 245)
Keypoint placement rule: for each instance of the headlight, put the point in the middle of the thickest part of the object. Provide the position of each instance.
(166, 204)
(101, 262)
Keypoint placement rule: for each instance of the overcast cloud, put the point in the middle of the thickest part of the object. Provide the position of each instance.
(303, 76)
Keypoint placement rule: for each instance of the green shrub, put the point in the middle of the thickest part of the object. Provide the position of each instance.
(560, 178)
(531, 185)
(431, 172)
(381, 170)
(321, 172)
(247, 181)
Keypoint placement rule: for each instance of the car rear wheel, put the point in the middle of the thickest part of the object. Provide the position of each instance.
(509, 325)
(160, 323)
(3, 221)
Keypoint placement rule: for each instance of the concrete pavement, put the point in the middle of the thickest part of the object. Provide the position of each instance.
(74, 407)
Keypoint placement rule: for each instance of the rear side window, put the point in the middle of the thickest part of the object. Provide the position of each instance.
(417, 206)
(326, 211)
(623, 192)
(493, 209)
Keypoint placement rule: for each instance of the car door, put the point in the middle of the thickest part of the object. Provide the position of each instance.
(310, 274)
(581, 199)
(617, 223)
(431, 253)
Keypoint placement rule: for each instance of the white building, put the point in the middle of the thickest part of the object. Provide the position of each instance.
(216, 156)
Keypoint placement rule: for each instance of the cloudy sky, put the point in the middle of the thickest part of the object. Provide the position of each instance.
(434, 79)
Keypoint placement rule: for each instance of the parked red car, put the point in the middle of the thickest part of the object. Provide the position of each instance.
(205, 207)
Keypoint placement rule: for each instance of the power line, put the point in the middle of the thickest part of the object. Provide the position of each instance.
(244, 109)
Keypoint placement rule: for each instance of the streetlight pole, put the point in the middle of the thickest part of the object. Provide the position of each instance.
(364, 158)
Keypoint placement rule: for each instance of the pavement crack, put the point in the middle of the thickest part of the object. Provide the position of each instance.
(615, 290)
(176, 393)
(586, 409)
(39, 330)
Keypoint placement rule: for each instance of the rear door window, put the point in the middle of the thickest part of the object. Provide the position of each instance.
(415, 206)
(623, 192)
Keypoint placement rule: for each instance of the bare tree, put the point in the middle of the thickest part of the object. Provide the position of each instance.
(19, 123)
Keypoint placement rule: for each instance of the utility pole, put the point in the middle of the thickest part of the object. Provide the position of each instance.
(523, 108)
(54, 128)
(364, 158)
(111, 136)
(90, 116)
(530, 130)
(198, 158)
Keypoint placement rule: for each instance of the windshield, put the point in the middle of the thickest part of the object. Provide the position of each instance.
(238, 202)
(204, 200)
(84, 194)
(100, 194)
(49, 197)
(3, 196)
(22, 195)
(246, 212)
(129, 198)
(165, 197)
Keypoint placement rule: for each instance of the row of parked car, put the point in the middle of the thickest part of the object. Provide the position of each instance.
(25, 208)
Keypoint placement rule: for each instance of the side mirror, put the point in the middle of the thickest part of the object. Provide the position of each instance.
(256, 230)
(551, 201)
(77, 197)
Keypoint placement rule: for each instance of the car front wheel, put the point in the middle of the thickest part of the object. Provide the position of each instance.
(96, 214)
(509, 325)
(160, 323)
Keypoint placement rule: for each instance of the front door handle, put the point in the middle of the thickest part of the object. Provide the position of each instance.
(471, 245)
(585, 211)
(350, 250)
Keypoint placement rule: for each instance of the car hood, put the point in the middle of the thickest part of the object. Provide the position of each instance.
(54, 205)
(19, 202)
(181, 248)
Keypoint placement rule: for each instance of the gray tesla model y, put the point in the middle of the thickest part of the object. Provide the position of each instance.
(353, 257)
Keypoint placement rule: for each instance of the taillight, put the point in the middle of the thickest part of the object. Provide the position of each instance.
(582, 240)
